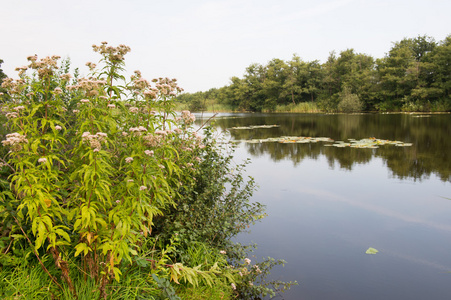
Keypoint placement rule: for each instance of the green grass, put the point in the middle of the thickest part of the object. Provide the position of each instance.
(24, 282)
(221, 291)
(31, 282)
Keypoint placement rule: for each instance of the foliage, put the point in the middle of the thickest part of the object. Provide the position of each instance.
(414, 75)
(217, 207)
(167, 291)
(249, 285)
(220, 291)
(303, 107)
(109, 190)
(349, 102)
(2, 75)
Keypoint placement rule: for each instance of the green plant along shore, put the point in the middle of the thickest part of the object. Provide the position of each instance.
(413, 76)
(106, 192)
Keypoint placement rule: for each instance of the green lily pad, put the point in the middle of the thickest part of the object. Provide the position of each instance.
(371, 251)
(370, 143)
(288, 140)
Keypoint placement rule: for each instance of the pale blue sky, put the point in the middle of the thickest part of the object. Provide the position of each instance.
(204, 43)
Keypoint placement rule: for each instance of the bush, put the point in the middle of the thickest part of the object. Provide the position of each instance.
(102, 182)
(91, 162)
(349, 102)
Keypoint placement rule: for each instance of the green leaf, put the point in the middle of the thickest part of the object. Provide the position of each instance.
(371, 251)
(34, 225)
(63, 234)
(39, 241)
(81, 247)
(77, 224)
(117, 273)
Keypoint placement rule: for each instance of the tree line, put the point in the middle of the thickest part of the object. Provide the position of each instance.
(415, 75)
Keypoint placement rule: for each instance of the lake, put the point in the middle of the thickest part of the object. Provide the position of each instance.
(327, 205)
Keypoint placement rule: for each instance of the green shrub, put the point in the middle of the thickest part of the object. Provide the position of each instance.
(441, 105)
(92, 161)
(110, 191)
(349, 102)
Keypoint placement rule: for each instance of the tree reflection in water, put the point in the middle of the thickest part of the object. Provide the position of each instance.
(429, 134)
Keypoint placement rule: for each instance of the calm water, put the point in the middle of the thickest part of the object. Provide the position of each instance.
(326, 206)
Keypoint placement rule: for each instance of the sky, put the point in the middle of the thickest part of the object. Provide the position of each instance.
(203, 43)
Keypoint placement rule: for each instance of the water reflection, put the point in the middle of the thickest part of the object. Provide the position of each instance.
(429, 134)
(327, 205)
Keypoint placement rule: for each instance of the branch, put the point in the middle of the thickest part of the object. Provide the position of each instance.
(206, 122)
(6, 164)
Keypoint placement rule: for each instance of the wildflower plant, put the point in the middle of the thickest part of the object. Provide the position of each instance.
(91, 161)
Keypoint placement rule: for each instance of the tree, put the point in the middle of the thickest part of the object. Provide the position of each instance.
(236, 94)
(273, 85)
(330, 84)
(437, 74)
(405, 70)
(351, 70)
(292, 86)
(413, 75)
(253, 92)
(2, 76)
(315, 75)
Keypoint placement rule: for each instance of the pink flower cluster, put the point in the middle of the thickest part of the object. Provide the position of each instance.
(90, 85)
(167, 87)
(187, 117)
(113, 54)
(45, 66)
(94, 140)
(15, 141)
(14, 87)
(151, 140)
(137, 130)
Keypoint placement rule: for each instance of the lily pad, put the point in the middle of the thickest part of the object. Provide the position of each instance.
(289, 140)
(371, 251)
(371, 143)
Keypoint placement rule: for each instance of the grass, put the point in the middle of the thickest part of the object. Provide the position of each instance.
(28, 281)
(217, 292)
(24, 282)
